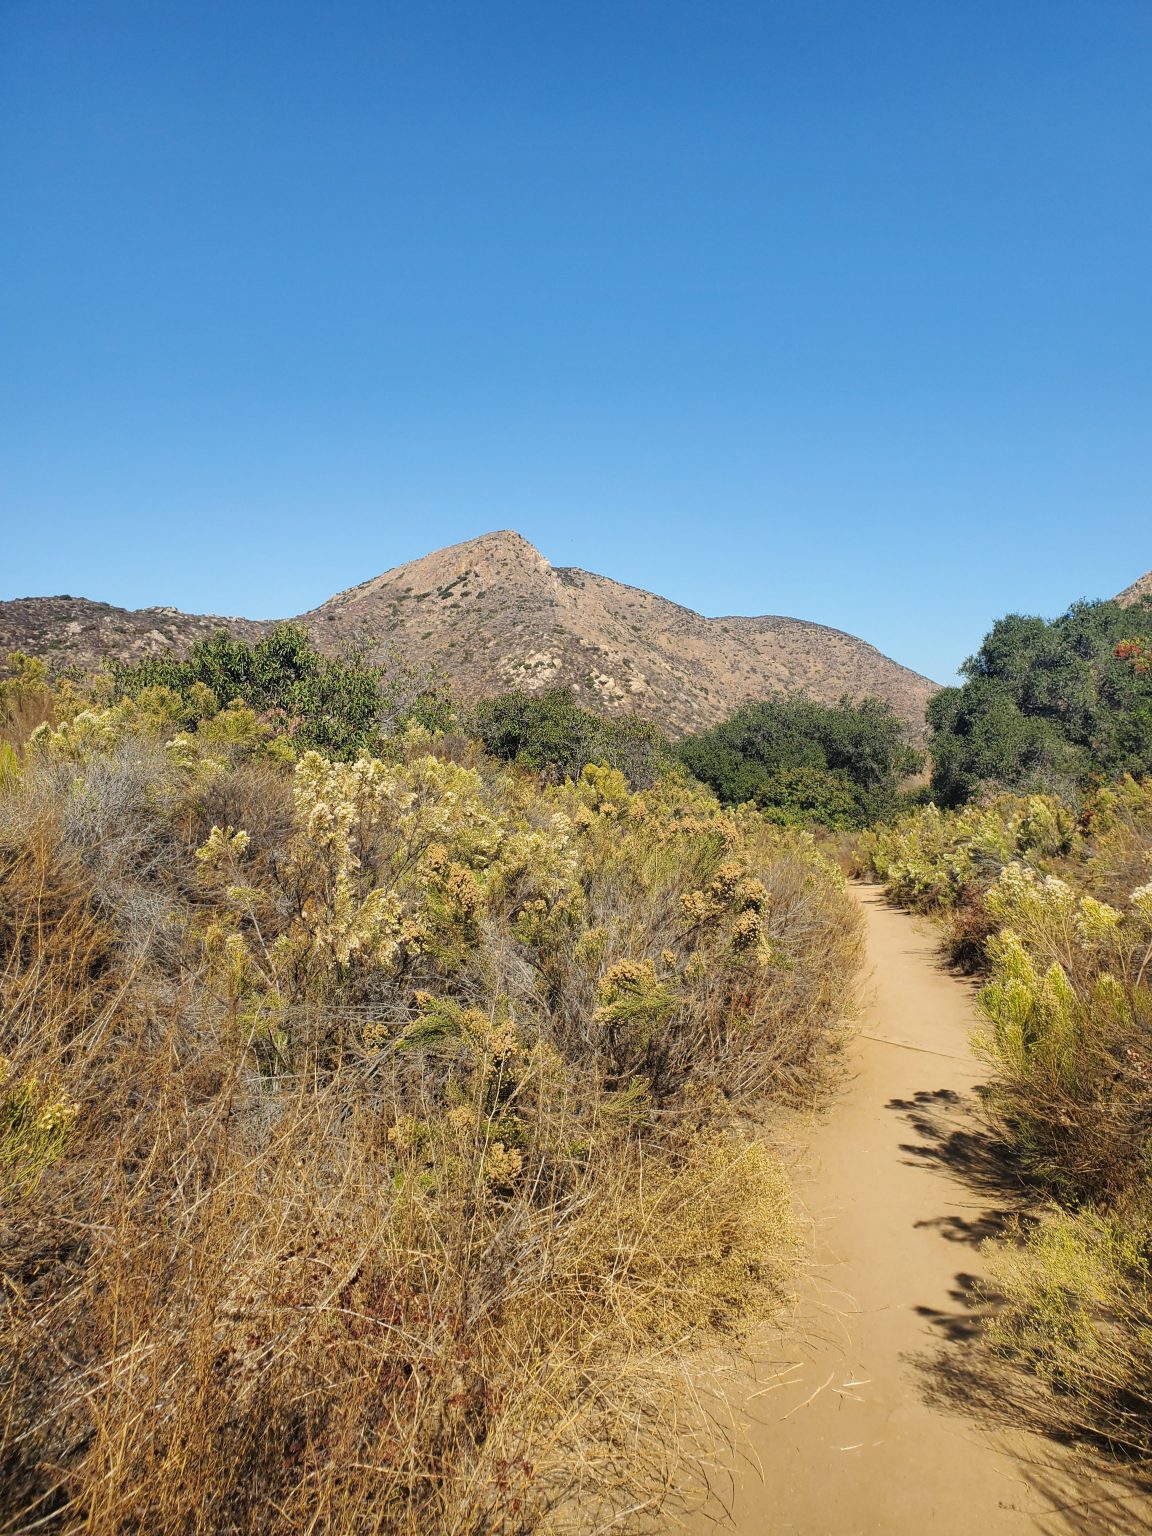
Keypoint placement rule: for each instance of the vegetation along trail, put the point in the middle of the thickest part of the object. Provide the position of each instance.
(851, 1429)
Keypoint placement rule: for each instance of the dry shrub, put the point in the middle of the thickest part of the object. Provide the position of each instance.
(1073, 1329)
(56, 953)
(374, 1169)
(1071, 1033)
(311, 1326)
(1118, 848)
(967, 928)
(744, 933)
(28, 698)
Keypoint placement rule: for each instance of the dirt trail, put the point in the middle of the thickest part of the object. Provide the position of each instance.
(847, 1440)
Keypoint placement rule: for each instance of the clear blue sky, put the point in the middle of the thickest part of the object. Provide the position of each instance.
(838, 310)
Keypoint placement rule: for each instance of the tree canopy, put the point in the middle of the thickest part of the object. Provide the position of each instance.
(1047, 704)
(338, 705)
(552, 733)
(839, 765)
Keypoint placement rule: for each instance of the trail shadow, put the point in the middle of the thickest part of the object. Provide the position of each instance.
(1085, 1494)
(1084, 1490)
(952, 1140)
(977, 1229)
(975, 1304)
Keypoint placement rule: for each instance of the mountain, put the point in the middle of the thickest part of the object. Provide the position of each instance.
(496, 615)
(492, 614)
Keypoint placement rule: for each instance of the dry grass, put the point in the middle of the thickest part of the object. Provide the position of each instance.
(409, 1241)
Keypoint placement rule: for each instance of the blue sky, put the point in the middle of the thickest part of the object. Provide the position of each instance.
(838, 310)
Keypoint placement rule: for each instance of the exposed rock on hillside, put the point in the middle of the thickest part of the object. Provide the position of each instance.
(1139, 590)
(75, 632)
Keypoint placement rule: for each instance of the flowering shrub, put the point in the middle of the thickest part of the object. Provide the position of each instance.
(408, 1167)
(929, 858)
(1070, 1037)
(1066, 940)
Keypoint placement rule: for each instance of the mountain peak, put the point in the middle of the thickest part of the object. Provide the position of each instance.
(491, 614)
(500, 542)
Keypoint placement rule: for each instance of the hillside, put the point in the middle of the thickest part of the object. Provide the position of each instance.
(492, 614)
(1139, 591)
(75, 632)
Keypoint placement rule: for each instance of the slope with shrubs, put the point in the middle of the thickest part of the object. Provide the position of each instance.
(369, 1140)
(1056, 908)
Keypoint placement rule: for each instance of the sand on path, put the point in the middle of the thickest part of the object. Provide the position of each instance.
(843, 1435)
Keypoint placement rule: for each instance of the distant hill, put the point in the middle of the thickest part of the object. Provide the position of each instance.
(75, 632)
(492, 614)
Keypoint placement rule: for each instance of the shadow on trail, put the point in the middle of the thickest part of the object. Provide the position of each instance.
(963, 1376)
(952, 1141)
(1084, 1494)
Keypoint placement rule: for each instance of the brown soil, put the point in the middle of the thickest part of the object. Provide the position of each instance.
(852, 1432)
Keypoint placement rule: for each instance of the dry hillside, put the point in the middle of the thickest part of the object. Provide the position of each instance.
(492, 614)
(75, 632)
(1137, 592)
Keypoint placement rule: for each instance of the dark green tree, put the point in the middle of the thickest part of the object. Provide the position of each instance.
(833, 764)
(553, 734)
(337, 705)
(1046, 705)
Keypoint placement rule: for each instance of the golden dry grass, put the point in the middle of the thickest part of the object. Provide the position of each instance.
(344, 1190)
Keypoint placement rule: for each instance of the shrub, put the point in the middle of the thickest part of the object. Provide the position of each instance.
(1071, 1033)
(1074, 1316)
(27, 697)
(552, 734)
(1059, 909)
(929, 859)
(340, 706)
(368, 1126)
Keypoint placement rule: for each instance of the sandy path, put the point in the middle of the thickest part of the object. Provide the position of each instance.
(846, 1440)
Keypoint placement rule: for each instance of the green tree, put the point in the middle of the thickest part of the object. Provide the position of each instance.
(1048, 705)
(552, 733)
(834, 764)
(338, 705)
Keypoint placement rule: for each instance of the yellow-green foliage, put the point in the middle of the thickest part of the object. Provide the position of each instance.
(219, 736)
(1070, 1010)
(927, 859)
(9, 765)
(35, 1121)
(26, 690)
(1063, 912)
(1076, 1310)
(407, 1168)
